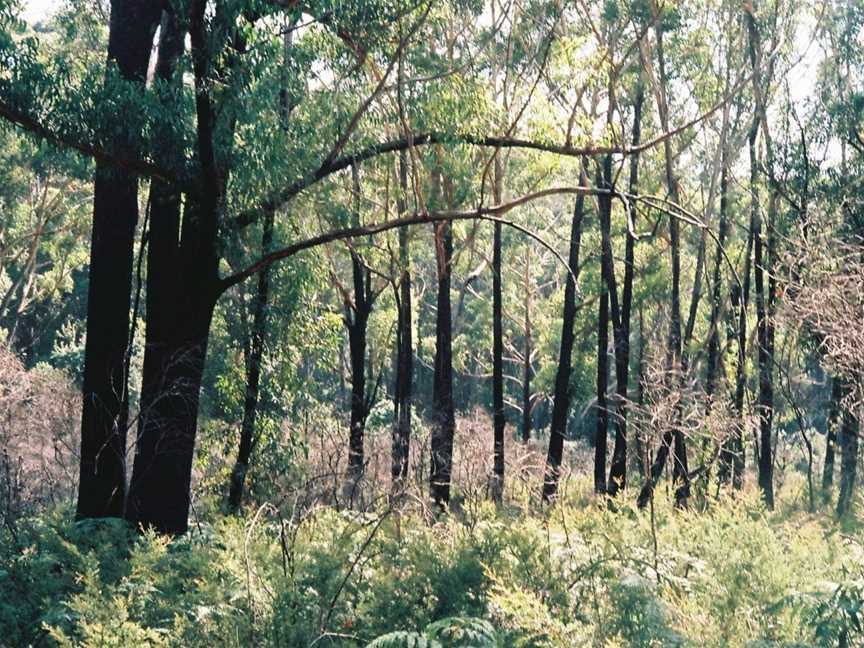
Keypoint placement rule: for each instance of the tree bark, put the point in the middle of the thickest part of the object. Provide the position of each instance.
(848, 438)
(105, 412)
(443, 415)
(403, 388)
(561, 402)
(618, 469)
(602, 384)
(834, 418)
(182, 294)
(498, 419)
(253, 355)
(527, 365)
(762, 262)
(356, 320)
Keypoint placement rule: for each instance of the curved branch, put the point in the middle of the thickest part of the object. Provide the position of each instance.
(483, 213)
(31, 125)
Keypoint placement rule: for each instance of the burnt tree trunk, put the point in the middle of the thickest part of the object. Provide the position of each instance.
(527, 365)
(561, 398)
(761, 266)
(356, 320)
(443, 415)
(403, 388)
(185, 286)
(105, 412)
(498, 420)
(253, 354)
(618, 469)
(602, 384)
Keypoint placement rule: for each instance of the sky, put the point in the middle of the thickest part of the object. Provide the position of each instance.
(36, 9)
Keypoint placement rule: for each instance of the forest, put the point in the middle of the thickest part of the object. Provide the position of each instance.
(431, 323)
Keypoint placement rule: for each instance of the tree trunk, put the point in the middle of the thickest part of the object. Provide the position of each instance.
(443, 415)
(404, 348)
(618, 469)
(185, 287)
(561, 402)
(356, 320)
(253, 356)
(834, 418)
(104, 417)
(712, 370)
(527, 366)
(602, 383)
(498, 420)
(761, 264)
(848, 458)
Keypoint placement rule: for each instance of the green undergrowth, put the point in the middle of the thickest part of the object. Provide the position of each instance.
(578, 574)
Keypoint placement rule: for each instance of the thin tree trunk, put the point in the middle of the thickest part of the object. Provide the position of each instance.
(105, 411)
(253, 356)
(848, 438)
(498, 420)
(834, 418)
(618, 469)
(527, 366)
(404, 347)
(761, 264)
(561, 402)
(602, 384)
(727, 452)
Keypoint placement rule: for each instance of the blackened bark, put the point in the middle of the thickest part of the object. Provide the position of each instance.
(834, 417)
(105, 411)
(727, 447)
(848, 438)
(618, 469)
(602, 384)
(253, 355)
(527, 365)
(404, 349)
(761, 265)
(356, 320)
(182, 309)
(561, 402)
(443, 415)
(498, 420)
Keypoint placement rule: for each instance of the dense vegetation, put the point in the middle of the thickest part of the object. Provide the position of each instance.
(431, 323)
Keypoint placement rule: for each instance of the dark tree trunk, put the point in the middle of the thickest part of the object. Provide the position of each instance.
(356, 320)
(712, 370)
(618, 469)
(443, 415)
(834, 418)
(602, 383)
(498, 420)
(561, 402)
(527, 365)
(104, 418)
(762, 264)
(185, 287)
(404, 348)
(848, 438)
(253, 353)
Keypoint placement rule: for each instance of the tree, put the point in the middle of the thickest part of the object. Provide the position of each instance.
(104, 419)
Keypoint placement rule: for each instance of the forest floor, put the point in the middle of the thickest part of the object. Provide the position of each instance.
(725, 573)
